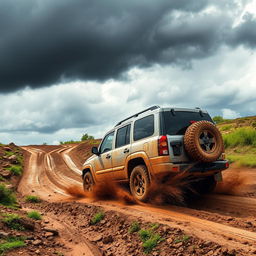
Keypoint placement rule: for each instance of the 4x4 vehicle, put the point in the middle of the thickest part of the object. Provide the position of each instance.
(158, 142)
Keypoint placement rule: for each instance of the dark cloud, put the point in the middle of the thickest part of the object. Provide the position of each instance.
(44, 42)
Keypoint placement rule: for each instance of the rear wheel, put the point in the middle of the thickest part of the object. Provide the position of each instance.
(88, 182)
(139, 183)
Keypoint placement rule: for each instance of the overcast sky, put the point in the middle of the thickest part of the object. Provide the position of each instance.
(73, 66)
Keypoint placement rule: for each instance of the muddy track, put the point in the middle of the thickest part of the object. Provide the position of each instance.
(225, 220)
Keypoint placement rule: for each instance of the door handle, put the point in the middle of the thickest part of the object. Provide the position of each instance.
(108, 156)
(126, 150)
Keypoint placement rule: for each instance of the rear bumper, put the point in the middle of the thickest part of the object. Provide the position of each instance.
(205, 167)
(193, 169)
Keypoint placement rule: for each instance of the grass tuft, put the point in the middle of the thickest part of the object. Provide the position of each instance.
(135, 227)
(12, 221)
(34, 215)
(32, 199)
(6, 196)
(182, 239)
(151, 243)
(15, 170)
(97, 218)
(11, 243)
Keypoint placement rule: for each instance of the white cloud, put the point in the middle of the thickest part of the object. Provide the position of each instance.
(229, 113)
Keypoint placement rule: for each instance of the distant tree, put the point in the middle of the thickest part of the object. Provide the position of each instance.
(86, 136)
(218, 119)
(44, 143)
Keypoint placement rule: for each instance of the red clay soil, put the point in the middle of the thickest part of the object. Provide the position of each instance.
(214, 225)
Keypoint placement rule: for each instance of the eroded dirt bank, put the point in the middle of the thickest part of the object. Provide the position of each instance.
(214, 225)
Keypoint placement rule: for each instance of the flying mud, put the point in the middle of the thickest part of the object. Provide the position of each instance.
(227, 215)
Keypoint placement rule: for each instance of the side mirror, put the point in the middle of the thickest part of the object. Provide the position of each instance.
(95, 151)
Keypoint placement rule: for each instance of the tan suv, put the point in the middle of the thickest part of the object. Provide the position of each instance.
(158, 142)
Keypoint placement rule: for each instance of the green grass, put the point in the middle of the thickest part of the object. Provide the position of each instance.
(32, 199)
(149, 238)
(151, 243)
(15, 170)
(7, 197)
(135, 227)
(226, 127)
(240, 137)
(97, 218)
(9, 153)
(12, 221)
(248, 160)
(182, 239)
(34, 215)
(11, 243)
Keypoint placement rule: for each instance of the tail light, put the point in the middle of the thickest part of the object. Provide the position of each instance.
(163, 146)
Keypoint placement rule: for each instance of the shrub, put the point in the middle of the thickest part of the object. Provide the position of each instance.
(11, 243)
(32, 199)
(6, 196)
(97, 218)
(226, 127)
(135, 227)
(86, 136)
(13, 221)
(34, 215)
(15, 170)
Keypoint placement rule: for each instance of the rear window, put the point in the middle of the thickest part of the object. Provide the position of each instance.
(143, 127)
(176, 123)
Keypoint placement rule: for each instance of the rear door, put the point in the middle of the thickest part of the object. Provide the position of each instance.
(121, 151)
(175, 125)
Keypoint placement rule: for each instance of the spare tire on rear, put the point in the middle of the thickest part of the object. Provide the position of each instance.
(203, 142)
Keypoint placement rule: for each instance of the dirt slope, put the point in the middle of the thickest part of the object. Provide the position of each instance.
(215, 225)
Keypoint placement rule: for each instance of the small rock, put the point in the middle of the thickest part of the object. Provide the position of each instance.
(48, 234)
(3, 234)
(13, 159)
(178, 245)
(37, 242)
(7, 149)
(6, 174)
(54, 231)
(169, 240)
(27, 224)
(96, 238)
(230, 218)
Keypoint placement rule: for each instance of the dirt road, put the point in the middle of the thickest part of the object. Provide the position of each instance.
(227, 220)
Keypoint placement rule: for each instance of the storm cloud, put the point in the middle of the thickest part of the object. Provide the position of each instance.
(46, 42)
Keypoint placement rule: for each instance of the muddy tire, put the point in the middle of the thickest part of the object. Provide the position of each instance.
(139, 183)
(88, 182)
(203, 142)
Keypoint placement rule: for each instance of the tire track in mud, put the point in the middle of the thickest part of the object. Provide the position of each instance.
(58, 172)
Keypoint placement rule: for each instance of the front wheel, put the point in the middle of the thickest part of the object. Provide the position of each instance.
(88, 182)
(139, 183)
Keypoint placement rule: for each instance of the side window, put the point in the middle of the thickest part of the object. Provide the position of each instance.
(123, 136)
(144, 127)
(107, 143)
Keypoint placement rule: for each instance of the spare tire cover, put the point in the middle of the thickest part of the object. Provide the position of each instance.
(203, 141)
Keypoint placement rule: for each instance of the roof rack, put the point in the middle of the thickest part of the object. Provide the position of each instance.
(151, 108)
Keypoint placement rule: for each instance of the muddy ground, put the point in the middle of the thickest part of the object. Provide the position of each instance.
(222, 223)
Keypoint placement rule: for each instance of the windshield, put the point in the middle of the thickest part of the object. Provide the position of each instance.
(176, 123)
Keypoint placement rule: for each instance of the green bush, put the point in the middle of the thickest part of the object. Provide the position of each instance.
(86, 136)
(226, 127)
(34, 215)
(149, 238)
(240, 137)
(248, 160)
(182, 239)
(151, 243)
(6, 196)
(13, 221)
(32, 199)
(15, 170)
(135, 227)
(11, 243)
(97, 218)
